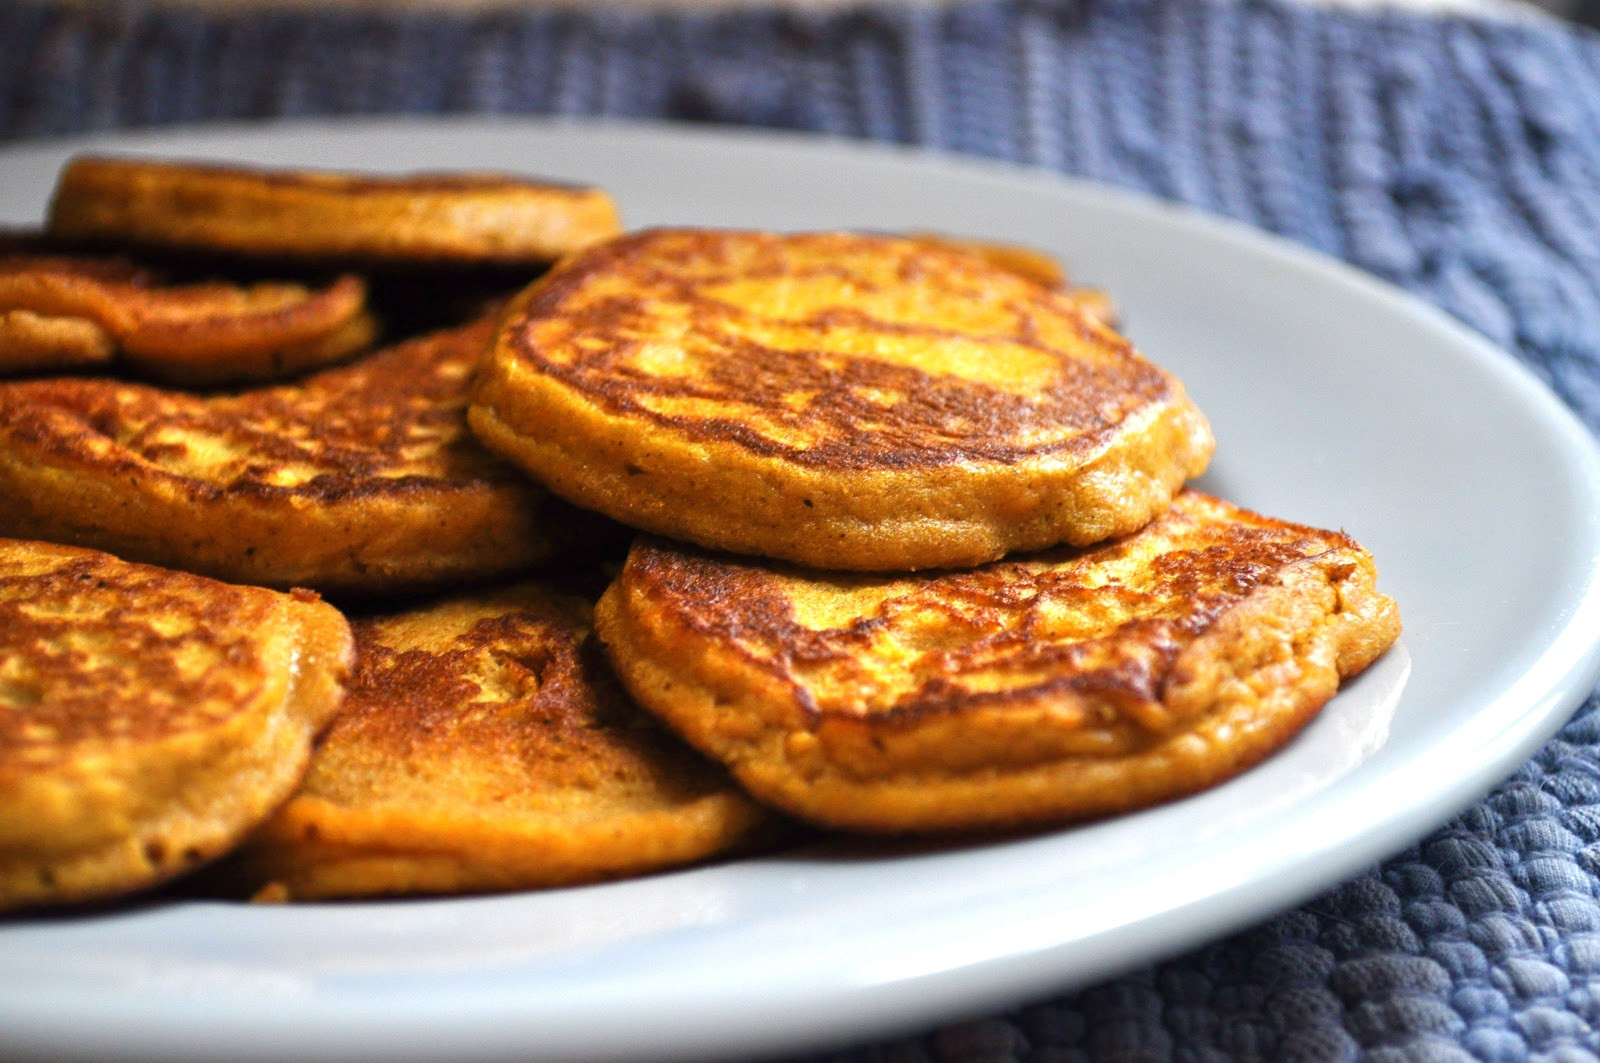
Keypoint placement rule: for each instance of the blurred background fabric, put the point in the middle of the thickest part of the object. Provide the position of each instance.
(1454, 154)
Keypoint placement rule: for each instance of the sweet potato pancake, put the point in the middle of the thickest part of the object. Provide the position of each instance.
(461, 218)
(361, 478)
(1065, 684)
(486, 746)
(832, 399)
(148, 718)
(58, 312)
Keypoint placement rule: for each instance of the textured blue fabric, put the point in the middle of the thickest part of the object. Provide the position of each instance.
(1457, 158)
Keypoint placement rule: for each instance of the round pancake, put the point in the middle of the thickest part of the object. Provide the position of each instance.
(148, 718)
(1056, 686)
(460, 218)
(486, 746)
(212, 333)
(837, 400)
(357, 479)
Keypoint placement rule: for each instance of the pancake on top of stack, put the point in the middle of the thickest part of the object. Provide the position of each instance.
(836, 400)
(148, 718)
(409, 220)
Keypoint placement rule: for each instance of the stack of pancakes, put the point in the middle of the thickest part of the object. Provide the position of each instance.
(916, 550)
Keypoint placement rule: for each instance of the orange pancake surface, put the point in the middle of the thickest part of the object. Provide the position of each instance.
(837, 400)
(1038, 689)
(357, 479)
(148, 718)
(486, 746)
(466, 218)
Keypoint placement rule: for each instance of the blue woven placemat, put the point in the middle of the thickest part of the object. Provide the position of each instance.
(1457, 158)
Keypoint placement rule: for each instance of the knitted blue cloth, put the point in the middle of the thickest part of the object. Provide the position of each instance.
(1459, 159)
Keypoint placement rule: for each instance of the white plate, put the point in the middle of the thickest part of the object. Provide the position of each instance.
(1336, 401)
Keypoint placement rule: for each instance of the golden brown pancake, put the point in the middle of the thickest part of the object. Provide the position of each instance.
(1043, 688)
(58, 312)
(836, 400)
(148, 718)
(357, 479)
(461, 218)
(485, 745)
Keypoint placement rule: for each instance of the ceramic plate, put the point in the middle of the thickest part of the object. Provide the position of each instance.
(1336, 401)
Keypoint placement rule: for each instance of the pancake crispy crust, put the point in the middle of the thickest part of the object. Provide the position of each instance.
(1062, 685)
(841, 401)
(193, 333)
(465, 218)
(357, 479)
(148, 718)
(485, 746)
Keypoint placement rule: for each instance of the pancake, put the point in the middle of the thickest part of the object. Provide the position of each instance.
(148, 718)
(486, 746)
(60, 312)
(357, 479)
(1039, 689)
(464, 218)
(836, 400)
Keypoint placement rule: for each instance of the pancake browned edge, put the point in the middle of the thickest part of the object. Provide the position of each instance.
(61, 311)
(486, 746)
(841, 401)
(357, 479)
(1057, 686)
(148, 718)
(477, 218)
